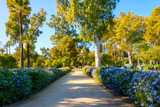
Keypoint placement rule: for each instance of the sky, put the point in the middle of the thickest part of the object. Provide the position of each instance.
(139, 7)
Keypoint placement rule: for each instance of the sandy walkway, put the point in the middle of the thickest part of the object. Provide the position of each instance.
(73, 90)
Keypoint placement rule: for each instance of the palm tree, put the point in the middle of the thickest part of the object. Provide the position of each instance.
(32, 32)
(21, 6)
(30, 40)
(2, 50)
(138, 44)
(83, 55)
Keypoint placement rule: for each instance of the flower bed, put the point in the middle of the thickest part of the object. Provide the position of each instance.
(19, 84)
(142, 87)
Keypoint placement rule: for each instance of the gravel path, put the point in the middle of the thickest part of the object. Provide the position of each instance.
(74, 90)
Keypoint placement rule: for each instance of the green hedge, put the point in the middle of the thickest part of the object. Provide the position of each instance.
(16, 85)
(142, 87)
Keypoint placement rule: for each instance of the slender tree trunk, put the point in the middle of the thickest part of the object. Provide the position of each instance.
(150, 62)
(139, 64)
(122, 57)
(129, 57)
(9, 49)
(97, 51)
(21, 43)
(6, 49)
(28, 54)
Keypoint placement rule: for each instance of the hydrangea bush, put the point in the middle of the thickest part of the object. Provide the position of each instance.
(18, 84)
(145, 89)
(117, 79)
(14, 85)
(142, 87)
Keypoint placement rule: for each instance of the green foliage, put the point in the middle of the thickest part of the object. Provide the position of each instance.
(61, 27)
(157, 67)
(82, 57)
(45, 52)
(57, 63)
(64, 52)
(147, 67)
(40, 78)
(106, 59)
(92, 18)
(87, 15)
(2, 50)
(86, 69)
(151, 67)
(96, 74)
(12, 26)
(16, 85)
(7, 61)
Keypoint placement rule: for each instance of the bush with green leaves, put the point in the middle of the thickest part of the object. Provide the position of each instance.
(157, 67)
(96, 73)
(145, 89)
(117, 79)
(147, 67)
(7, 61)
(18, 84)
(40, 78)
(142, 87)
(86, 70)
(14, 85)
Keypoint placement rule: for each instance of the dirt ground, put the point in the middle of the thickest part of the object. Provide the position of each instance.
(74, 90)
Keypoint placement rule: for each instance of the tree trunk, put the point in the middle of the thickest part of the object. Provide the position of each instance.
(129, 57)
(150, 62)
(122, 57)
(9, 49)
(138, 63)
(28, 54)
(21, 43)
(97, 51)
(6, 49)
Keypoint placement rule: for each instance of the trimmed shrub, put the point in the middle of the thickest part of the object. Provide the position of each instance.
(7, 61)
(145, 89)
(117, 79)
(96, 74)
(157, 67)
(16, 85)
(40, 78)
(142, 87)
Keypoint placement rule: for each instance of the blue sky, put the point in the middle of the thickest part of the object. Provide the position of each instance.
(139, 7)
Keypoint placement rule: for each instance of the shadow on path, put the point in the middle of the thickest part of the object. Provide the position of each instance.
(73, 90)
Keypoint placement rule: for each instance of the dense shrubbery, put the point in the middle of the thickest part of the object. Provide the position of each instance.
(14, 85)
(7, 61)
(145, 89)
(142, 87)
(151, 67)
(18, 84)
(117, 79)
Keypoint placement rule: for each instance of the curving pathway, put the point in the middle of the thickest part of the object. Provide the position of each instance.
(74, 90)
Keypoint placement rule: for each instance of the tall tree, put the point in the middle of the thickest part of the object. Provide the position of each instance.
(91, 16)
(65, 50)
(152, 34)
(21, 7)
(9, 43)
(45, 52)
(33, 31)
(153, 28)
(2, 50)
(83, 54)
(62, 28)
